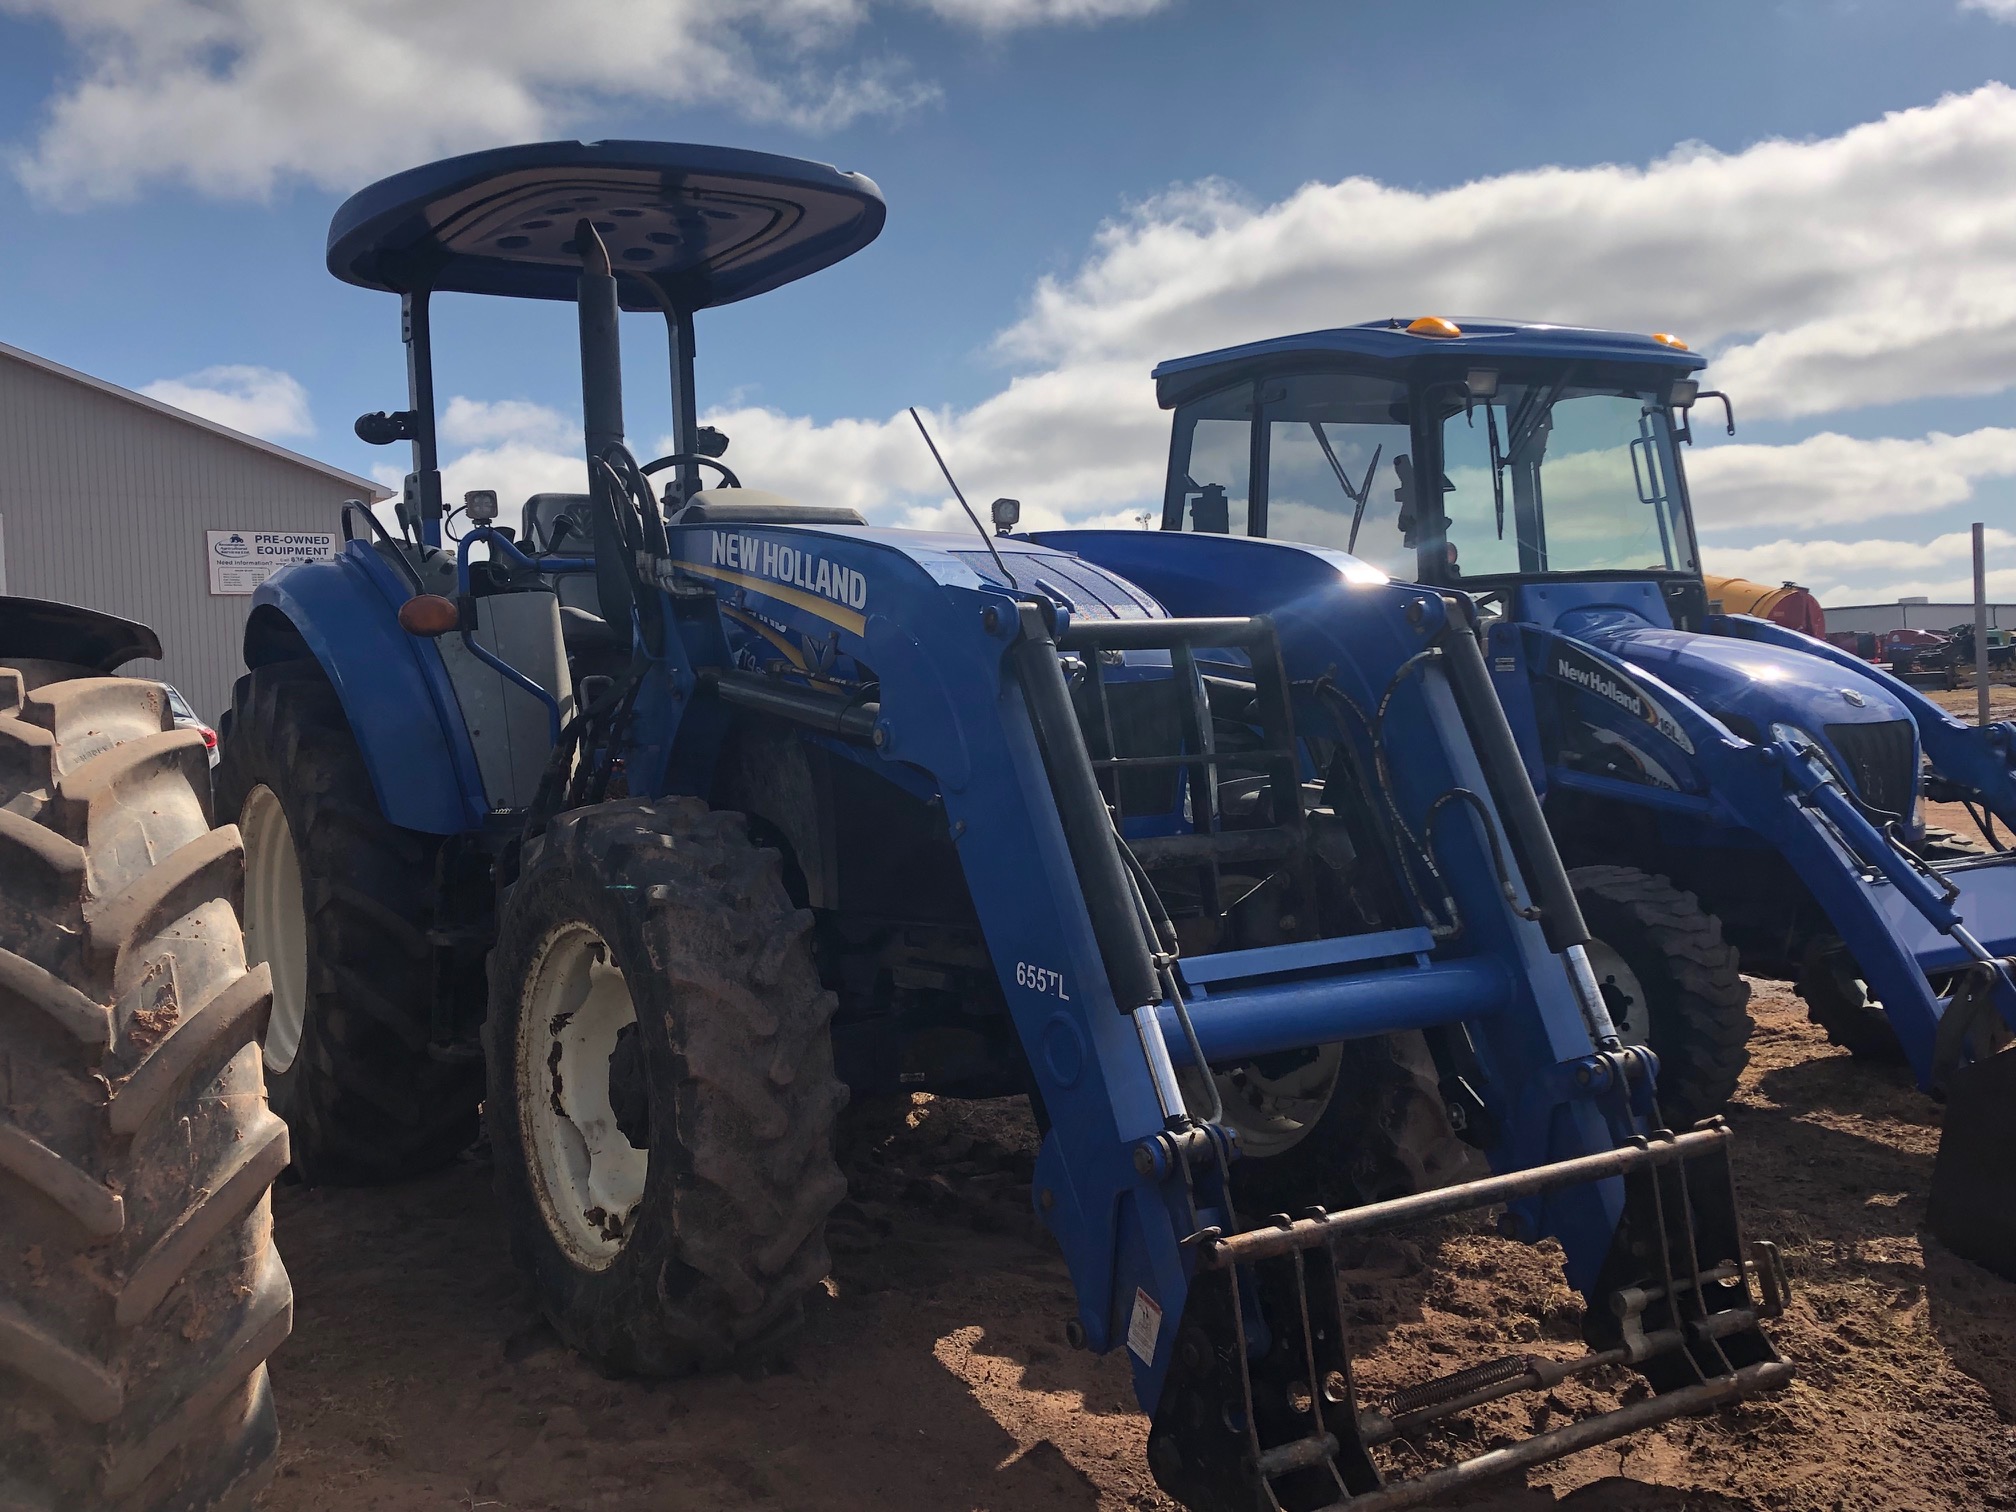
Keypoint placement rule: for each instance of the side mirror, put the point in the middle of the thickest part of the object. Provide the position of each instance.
(381, 429)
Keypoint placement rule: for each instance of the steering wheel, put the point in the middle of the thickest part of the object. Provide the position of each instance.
(675, 459)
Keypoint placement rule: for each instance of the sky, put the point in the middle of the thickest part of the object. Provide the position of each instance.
(1820, 195)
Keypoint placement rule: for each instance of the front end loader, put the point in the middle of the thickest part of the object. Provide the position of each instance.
(668, 817)
(1729, 791)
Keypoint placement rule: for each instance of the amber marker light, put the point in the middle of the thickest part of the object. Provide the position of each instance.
(429, 614)
(1434, 325)
(1667, 338)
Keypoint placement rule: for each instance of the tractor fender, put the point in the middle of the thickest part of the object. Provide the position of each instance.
(393, 686)
(42, 630)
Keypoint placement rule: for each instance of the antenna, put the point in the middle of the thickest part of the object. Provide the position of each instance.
(985, 539)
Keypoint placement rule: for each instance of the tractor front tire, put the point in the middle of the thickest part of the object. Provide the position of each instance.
(1839, 1005)
(662, 1095)
(140, 1293)
(1672, 983)
(1370, 1125)
(1942, 844)
(338, 904)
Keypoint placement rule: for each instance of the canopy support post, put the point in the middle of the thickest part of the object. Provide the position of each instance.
(421, 505)
(685, 407)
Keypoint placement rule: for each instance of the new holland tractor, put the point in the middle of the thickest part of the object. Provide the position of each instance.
(1730, 793)
(663, 818)
(140, 1293)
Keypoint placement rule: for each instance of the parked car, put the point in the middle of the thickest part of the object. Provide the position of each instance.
(185, 719)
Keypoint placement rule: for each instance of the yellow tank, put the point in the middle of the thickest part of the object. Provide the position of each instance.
(1788, 604)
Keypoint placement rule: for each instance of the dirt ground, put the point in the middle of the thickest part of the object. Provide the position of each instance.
(934, 1373)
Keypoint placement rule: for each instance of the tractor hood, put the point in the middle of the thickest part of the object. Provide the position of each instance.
(1755, 685)
(1866, 731)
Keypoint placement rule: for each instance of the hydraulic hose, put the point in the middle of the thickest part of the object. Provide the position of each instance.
(1511, 788)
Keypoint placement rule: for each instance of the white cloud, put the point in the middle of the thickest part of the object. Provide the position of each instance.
(232, 96)
(1834, 480)
(2001, 10)
(1096, 454)
(260, 401)
(1820, 274)
(477, 422)
(1009, 15)
(1859, 268)
(517, 470)
(1875, 571)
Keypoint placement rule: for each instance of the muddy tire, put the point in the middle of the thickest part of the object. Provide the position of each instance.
(662, 1096)
(338, 903)
(1839, 1005)
(1375, 1130)
(140, 1292)
(1672, 982)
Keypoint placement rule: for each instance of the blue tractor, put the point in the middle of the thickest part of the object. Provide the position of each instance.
(1728, 792)
(666, 818)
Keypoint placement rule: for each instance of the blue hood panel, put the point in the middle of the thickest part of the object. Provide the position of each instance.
(1757, 683)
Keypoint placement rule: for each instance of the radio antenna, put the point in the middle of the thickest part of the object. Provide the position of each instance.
(985, 539)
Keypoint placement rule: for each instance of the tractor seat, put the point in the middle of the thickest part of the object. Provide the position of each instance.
(581, 631)
(755, 506)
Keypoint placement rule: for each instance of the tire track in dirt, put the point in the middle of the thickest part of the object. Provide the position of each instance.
(934, 1374)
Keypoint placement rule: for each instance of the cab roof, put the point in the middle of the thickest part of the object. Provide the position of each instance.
(705, 225)
(1384, 342)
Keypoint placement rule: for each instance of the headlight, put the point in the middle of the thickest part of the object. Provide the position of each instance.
(1803, 742)
(1797, 737)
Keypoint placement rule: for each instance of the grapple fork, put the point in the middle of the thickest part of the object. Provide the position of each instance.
(1261, 1409)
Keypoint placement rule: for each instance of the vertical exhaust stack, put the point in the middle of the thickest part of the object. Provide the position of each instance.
(601, 353)
(602, 413)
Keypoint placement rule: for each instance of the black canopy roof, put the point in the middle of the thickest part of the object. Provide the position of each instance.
(706, 225)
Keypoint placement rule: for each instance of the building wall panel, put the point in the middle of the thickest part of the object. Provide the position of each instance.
(105, 502)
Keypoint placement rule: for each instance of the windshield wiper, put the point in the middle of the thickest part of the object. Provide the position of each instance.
(1357, 495)
(1498, 461)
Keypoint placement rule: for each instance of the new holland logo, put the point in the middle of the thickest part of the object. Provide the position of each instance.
(1592, 677)
(789, 574)
(788, 564)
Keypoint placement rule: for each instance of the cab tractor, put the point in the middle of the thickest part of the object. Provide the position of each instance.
(660, 819)
(1731, 794)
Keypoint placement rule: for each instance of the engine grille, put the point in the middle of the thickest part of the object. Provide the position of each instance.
(1881, 760)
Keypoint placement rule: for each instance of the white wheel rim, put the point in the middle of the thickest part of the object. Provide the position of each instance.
(1270, 1114)
(276, 920)
(586, 1175)
(1628, 1011)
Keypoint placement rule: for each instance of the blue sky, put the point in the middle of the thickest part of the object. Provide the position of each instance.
(1078, 187)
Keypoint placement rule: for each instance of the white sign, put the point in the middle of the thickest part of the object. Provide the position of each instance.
(1145, 1327)
(240, 560)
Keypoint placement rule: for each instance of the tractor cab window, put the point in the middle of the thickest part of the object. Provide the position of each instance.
(1210, 465)
(1331, 454)
(1553, 477)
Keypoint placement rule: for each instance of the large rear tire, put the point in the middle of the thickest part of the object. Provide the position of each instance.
(140, 1292)
(1671, 982)
(339, 903)
(662, 1094)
